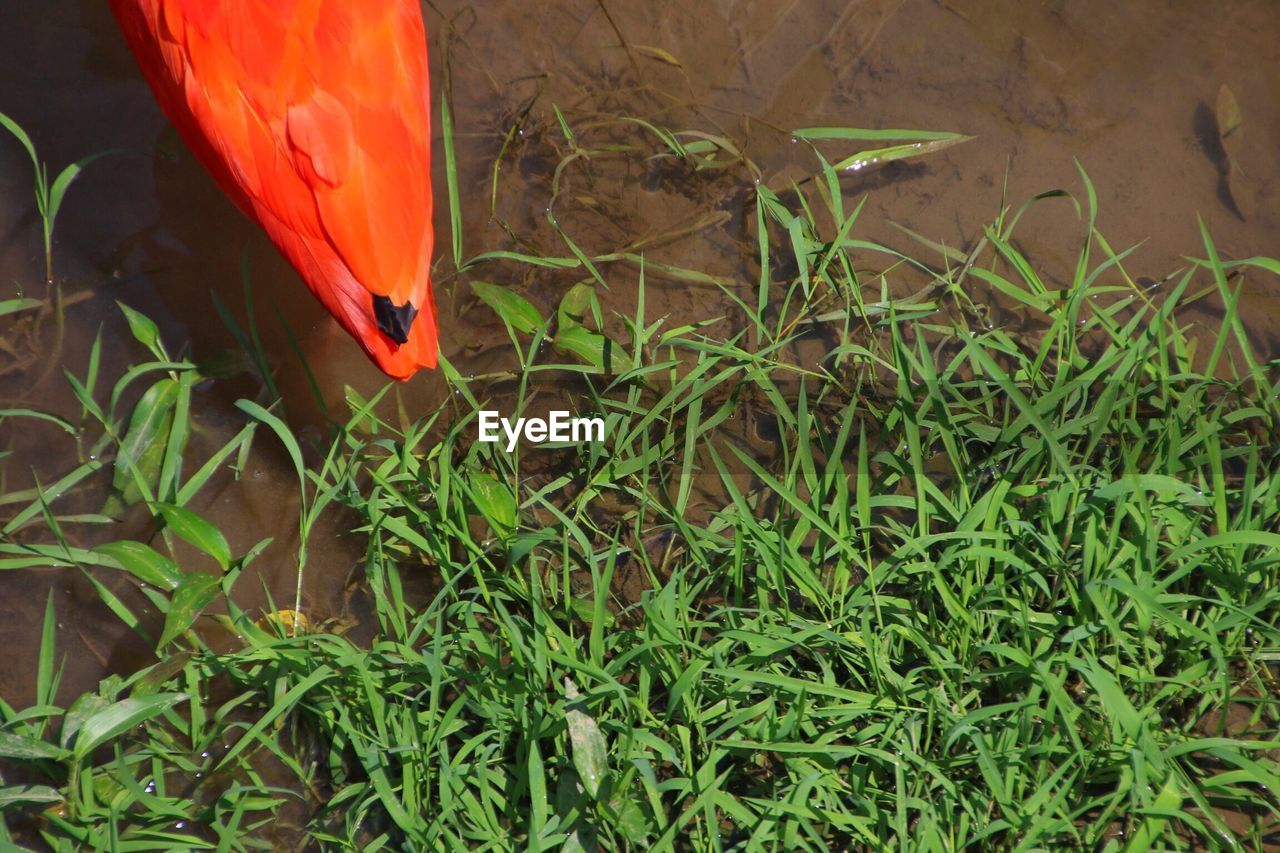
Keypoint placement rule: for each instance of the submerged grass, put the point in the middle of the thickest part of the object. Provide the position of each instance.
(992, 586)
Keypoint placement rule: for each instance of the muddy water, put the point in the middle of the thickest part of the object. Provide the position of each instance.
(1126, 89)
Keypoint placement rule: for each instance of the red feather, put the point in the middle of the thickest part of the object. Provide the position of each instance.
(314, 117)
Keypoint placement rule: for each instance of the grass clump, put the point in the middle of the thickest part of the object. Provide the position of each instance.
(989, 586)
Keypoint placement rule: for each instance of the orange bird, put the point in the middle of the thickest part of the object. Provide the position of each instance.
(314, 117)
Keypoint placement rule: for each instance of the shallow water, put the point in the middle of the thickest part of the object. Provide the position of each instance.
(1128, 90)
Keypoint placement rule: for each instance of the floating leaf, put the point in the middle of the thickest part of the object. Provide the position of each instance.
(82, 709)
(197, 532)
(1230, 123)
(14, 306)
(194, 594)
(575, 339)
(657, 53)
(512, 308)
(62, 424)
(144, 563)
(144, 330)
(1230, 130)
(1228, 113)
(588, 346)
(815, 134)
(119, 717)
(141, 453)
(575, 304)
(26, 748)
(881, 156)
(908, 143)
(14, 794)
(150, 680)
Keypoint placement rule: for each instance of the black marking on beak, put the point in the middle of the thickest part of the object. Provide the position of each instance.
(394, 320)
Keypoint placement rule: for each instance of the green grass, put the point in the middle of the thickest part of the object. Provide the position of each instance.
(992, 585)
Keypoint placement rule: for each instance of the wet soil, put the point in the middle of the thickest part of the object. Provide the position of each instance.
(1127, 90)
